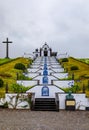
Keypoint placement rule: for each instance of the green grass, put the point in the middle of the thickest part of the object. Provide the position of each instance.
(81, 76)
(9, 74)
(4, 60)
(86, 60)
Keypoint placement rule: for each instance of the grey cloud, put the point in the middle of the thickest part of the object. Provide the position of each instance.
(63, 24)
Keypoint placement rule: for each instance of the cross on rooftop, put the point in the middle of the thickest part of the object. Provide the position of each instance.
(7, 47)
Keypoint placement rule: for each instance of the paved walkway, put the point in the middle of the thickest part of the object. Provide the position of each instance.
(35, 120)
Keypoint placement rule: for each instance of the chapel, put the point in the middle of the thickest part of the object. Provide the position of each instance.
(45, 50)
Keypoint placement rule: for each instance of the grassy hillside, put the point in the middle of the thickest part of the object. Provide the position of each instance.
(8, 73)
(81, 76)
(86, 60)
(4, 60)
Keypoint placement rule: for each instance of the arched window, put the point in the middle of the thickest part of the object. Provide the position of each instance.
(45, 91)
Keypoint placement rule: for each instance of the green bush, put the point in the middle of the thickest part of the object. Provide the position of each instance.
(74, 68)
(73, 89)
(16, 88)
(1, 83)
(23, 77)
(65, 60)
(20, 66)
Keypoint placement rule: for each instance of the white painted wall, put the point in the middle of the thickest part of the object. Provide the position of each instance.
(32, 75)
(32, 70)
(60, 75)
(63, 83)
(56, 66)
(38, 91)
(81, 101)
(11, 98)
(62, 56)
(49, 71)
(27, 83)
(48, 53)
(2, 101)
(48, 67)
(58, 70)
(35, 66)
(54, 62)
(40, 78)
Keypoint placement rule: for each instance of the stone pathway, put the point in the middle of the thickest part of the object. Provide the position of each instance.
(35, 120)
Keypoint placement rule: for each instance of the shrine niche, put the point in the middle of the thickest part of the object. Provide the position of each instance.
(45, 91)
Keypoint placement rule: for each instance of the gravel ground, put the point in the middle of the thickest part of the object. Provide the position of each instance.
(43, 120)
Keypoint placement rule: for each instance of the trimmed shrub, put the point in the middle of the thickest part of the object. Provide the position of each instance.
(20, 66)
(74, 68)
(65, 60)
(1, 83)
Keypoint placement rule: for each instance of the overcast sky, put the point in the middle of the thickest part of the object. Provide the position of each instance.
(63, 24)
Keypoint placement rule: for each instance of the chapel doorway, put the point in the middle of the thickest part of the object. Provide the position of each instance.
(45, 53)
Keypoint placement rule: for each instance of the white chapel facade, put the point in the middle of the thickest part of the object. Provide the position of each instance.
(45, 50)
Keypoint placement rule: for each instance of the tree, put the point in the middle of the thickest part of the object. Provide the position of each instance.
(20, 66)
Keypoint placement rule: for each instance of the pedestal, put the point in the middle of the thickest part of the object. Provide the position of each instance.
(70, 104)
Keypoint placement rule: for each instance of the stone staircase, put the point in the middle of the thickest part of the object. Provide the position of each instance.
(45, 104)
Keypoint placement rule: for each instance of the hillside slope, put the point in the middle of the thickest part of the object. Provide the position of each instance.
(81, 76)
(9, 74)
